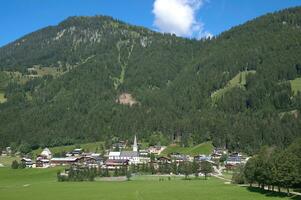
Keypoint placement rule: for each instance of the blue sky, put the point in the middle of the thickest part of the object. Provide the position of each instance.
(187, 18)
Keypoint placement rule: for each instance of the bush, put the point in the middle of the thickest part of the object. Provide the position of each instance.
(15, 165)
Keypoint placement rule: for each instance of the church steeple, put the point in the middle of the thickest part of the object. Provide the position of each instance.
(135, 146)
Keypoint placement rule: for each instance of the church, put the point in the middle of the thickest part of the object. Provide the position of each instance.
(131, 156)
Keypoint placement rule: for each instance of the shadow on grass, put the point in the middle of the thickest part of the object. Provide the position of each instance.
(272, 193)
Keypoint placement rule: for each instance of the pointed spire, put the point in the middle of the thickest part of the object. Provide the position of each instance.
(135, 146)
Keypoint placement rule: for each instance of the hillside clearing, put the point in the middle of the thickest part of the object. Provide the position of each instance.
(2, 98)
(203, 148)
(296, 85)
(238, 81)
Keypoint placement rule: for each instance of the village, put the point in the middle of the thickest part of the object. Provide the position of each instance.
(122, 155)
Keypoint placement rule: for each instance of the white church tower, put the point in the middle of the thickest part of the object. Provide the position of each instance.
(135, 146)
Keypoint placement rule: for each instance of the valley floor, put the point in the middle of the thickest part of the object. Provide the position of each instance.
(42, 184)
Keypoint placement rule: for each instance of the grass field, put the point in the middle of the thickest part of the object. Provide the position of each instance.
(2, 98)
(296, 85)
(36, 184)
(238, 81)
(7, 160)
(204, 148)
(94, 146)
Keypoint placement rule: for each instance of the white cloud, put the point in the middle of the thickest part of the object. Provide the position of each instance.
(179, 17)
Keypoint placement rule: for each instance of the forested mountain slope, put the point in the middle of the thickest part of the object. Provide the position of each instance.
(171, 79)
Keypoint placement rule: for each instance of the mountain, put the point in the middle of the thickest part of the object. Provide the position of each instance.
(92, 78)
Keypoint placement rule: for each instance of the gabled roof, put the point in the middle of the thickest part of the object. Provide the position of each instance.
(129, 154)
(114, 162)
(26, 159)
(46, 151)
(114, 153)
(68, 159)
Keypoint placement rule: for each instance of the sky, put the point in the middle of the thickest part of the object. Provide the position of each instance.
(185, 18)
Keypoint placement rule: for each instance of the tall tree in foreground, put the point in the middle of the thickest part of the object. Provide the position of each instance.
(206, 168)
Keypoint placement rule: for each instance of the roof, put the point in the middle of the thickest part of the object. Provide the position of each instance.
(163, 158)
(95, 154)
(68, 159)
(112, 162)
(46, 151)
(114, 153)
(77, 150)
(129, 154)
(43, 160)
(26, 159)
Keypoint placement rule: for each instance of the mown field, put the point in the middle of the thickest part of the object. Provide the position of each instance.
(204, 148)
(36, 184)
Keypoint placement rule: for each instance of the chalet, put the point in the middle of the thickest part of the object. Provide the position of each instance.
(42, 163)
(163, 160)
(177, 157)
(201, 158)
(156, 149)
(112, 164)
(64, 161)
(236, 159)
(220, 151)
(77, 152)
(143, 153)
(27, 162)
(46, 154)
(216, 156)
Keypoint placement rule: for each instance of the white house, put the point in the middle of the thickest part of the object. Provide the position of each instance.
(114, 155)
(27, 162)
(46, 153)
(156, 149)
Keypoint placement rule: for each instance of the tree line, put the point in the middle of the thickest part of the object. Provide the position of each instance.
(90, 173)
(273, 168)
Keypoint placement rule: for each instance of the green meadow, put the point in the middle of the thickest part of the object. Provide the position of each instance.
(296, 85)
(2, 98)
(36, 184)
(203, 148)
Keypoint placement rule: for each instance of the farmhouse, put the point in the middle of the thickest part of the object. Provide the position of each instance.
(156, 149)
(46, 153)
(177, 157)
(64, 161)
(27, 162)
(163, 160)
(201, 158)
(42, 163)
(112, 164)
